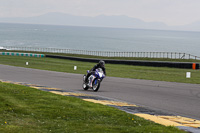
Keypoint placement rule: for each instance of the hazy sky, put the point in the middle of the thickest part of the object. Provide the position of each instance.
(171, 12)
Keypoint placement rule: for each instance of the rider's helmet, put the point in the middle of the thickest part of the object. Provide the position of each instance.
(101, 63)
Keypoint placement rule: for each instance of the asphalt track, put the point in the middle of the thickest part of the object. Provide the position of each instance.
(176, 98)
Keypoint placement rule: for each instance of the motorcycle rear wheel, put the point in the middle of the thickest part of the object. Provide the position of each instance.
(85, 86)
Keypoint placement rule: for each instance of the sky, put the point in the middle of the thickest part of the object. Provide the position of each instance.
(170, 12)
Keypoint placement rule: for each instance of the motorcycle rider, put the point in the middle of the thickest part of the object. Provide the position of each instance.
(101, 65)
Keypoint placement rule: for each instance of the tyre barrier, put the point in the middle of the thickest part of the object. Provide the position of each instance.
(184, 65)
(22, 54)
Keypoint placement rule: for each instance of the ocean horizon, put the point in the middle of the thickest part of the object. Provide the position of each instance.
(99, 39)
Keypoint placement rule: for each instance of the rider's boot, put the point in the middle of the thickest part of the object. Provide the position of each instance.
(86, 77)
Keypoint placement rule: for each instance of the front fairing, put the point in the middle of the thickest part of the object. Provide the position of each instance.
(99, 73)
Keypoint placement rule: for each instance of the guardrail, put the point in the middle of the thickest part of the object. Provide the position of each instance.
(184, 65)
(22, 54)
(170, 55)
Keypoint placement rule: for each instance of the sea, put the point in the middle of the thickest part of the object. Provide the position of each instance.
(99, 39)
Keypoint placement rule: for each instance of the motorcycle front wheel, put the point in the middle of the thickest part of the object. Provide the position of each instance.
(96, 86)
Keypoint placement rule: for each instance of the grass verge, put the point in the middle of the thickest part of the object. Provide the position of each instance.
(25, 109)
(113, 70)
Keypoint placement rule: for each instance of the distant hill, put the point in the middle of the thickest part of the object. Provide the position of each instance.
(98, 21)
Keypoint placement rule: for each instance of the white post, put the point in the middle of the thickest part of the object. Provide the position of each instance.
(188, 74)
(75, 67)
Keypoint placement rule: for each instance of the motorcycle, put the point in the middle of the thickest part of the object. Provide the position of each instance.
(94, 80)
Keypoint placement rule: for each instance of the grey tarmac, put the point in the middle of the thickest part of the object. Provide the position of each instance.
(176, 98)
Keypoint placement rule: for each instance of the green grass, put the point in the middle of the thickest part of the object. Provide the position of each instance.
(28, 110)
(113, 70)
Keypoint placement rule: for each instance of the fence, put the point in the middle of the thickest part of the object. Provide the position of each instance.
(171, 55)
